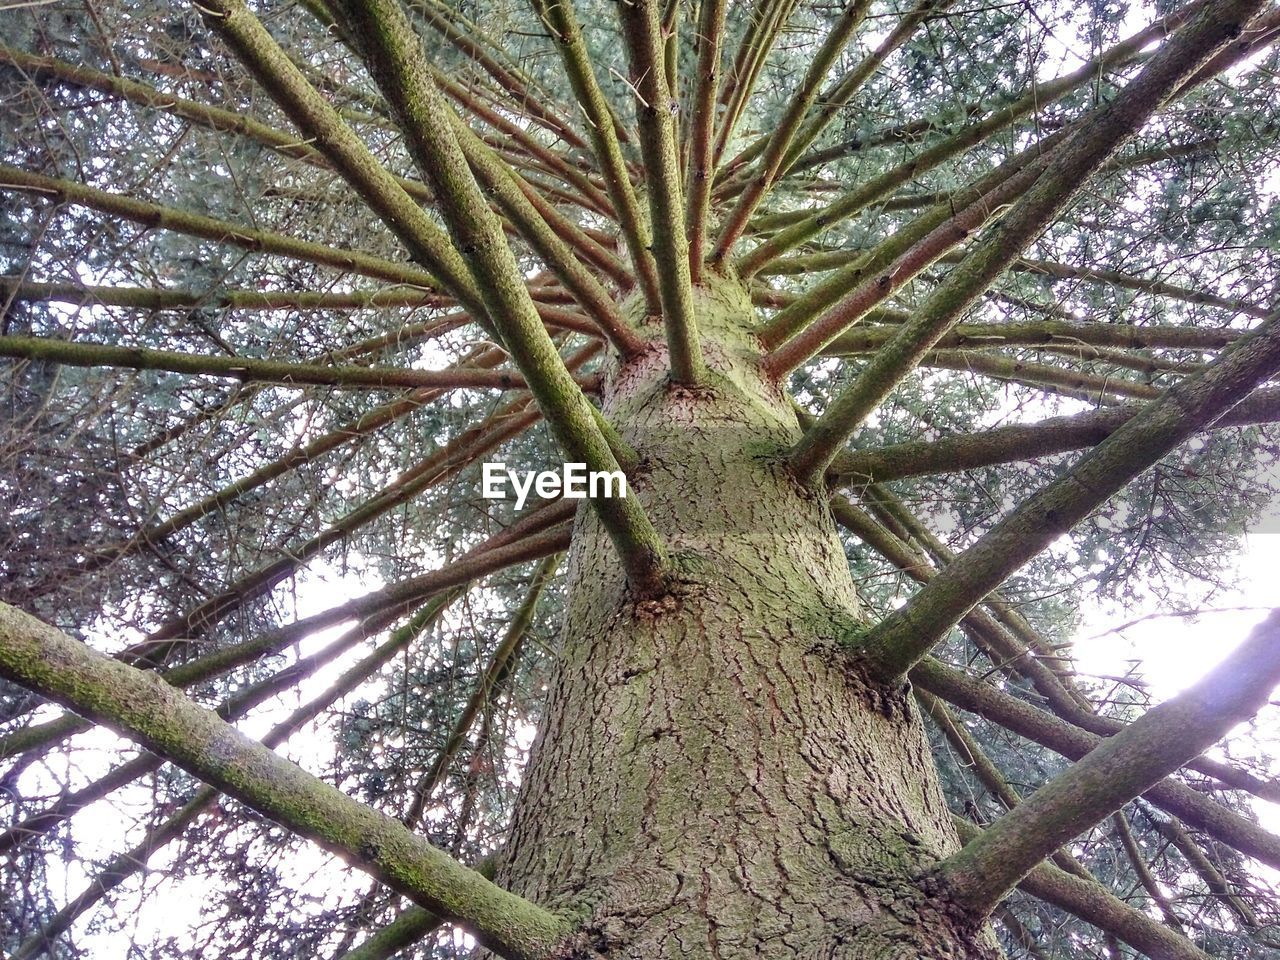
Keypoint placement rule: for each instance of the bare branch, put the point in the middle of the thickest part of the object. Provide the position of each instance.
(144, 708)
(906, 635)
(655, 111)
(1068, 168)
(1117, 770)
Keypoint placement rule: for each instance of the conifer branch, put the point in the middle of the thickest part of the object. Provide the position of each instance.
(1117, 770)
(815, 262)
(219, 231)
(470, 40)
(907, 634)
(1068, 168)
(254, 370)
(1092, 903)
(863, 195)
(1091, 387)
(1141, 869)
(167, 298)
(971, 755)
(908, 250)
(434, 469)
(350, 432)
(239, 704)
(518, 200)
(1062, 334)
(701, 173)
(144, 708)
(399, 67)
(780, 139)
(843, 90)
(537, 536)
(603, 130)
(767, 19)
(410, 927)
(318, 120)
(1019, 442)
(1038, 726)
(655, 110)
(504, 185)
(829, 103)
(589, 196)
(499, 667)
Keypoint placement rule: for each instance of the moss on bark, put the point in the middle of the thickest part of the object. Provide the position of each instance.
(710, 781)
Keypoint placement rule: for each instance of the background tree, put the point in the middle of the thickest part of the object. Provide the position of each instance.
(910, 326)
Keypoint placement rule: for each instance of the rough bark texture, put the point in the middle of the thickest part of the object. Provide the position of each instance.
(709, 780)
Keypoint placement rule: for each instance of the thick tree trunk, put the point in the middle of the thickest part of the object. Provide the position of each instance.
(710, 780)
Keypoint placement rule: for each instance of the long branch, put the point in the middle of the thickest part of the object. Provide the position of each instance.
(528, 540)
(701, 172)
(655, 109)
(1042, 333)
(499, 666)
(144, 708)
(466, 37)
(219, 231)
(1120, 768)
(1019, 442)
(768, 17)
(1177, 798)
(1092, 903)
(352, 431)
(602, 129)
(865, 194)
(780, 138)
(907, 634)
(251, 369)
(400, 68)
(1069, 167)
(320, 122)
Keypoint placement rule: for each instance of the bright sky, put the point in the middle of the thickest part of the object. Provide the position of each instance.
(1173, 652)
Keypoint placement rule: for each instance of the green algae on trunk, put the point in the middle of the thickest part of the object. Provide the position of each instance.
(710, 780)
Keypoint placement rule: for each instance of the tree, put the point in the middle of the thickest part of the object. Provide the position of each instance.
(906, 325)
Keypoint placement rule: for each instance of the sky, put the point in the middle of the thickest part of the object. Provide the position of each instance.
(1172, 652)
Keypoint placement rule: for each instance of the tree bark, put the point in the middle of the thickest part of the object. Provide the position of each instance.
(709, 779)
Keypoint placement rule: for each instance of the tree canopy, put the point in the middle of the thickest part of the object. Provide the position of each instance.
(278, 278)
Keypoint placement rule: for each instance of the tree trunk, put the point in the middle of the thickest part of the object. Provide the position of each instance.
(710, 780)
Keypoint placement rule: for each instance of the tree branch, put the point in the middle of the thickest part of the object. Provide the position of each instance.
(602, 127)
(906, 635)
(253, 370)
(865, 194)
(219, 231)
(500, 664)
(701, 174)
(141, 706)
(402, 73)
(1117, 770)
(1068, 168)
(655, 111)
(520, 543)
(1017, 442)
(1033, 724)
(1093, 904)
(781, 137)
